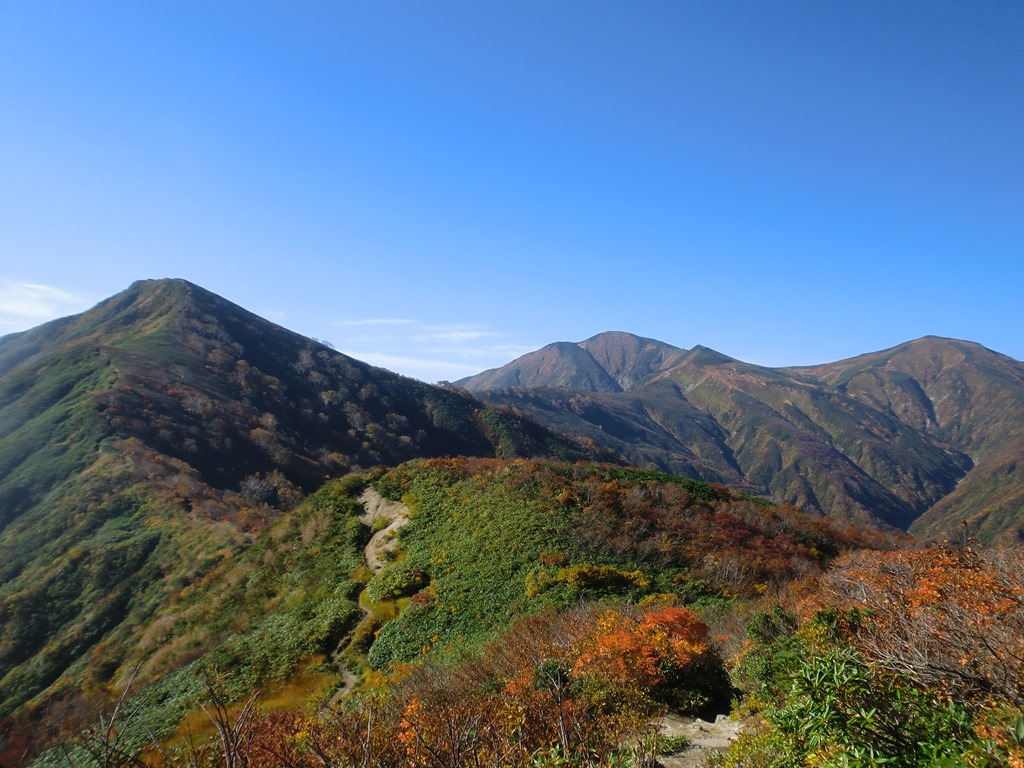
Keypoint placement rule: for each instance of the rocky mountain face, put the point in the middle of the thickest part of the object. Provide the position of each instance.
(927, 435)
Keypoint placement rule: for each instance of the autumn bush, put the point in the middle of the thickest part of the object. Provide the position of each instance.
(908, 658)
(950, 619)
(576, 688)
(581, 684)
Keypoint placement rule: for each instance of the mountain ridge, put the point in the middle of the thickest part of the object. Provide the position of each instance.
(166, 425)
(167, 440)
(892, 434)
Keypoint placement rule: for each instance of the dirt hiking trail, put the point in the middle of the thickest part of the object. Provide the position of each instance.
(378, 511)
(705, 738)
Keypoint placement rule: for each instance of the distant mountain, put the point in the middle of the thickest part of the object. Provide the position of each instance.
(630, 359)
(926, 435)
(142, 440)
(557, 365)
(608, 362)
(968, 397)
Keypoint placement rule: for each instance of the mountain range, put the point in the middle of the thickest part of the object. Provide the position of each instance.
(158, 452)
(928, 435)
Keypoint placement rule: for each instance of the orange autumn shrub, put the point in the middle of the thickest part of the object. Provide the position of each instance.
(660, 657)
(950, 619)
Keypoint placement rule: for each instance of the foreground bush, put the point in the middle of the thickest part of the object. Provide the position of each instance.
(910, 659)
(572, 689)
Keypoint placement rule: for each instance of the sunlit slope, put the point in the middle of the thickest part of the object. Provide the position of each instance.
(969, 397)
(143, 439)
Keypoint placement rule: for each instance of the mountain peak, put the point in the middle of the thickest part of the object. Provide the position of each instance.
(613, 361)
(701, 355)
(630, 359)
(561, 364)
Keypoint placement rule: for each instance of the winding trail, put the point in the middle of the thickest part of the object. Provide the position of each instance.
(383, 543)
(388, 516)
(705, 738)
(378, 549)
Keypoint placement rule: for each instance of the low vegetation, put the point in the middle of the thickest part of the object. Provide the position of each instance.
(488, 542)
(901, 658)
(545, 614)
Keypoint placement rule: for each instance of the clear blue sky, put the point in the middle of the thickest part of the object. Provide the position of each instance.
(437, 187)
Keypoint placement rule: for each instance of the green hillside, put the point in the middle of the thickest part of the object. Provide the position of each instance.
(146, 440)
(486, 542)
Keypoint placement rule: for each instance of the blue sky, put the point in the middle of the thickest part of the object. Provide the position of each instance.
(439, 187)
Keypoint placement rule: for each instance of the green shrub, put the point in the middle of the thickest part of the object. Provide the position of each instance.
(773, 652)
(837, 710)
(406, 577)
(587, 578)
(837, 706)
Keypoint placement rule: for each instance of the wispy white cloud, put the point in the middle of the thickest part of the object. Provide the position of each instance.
(24, 305)
(414, 366)
(503, 353)
(458, 336)
(429, 352)
(375, 321)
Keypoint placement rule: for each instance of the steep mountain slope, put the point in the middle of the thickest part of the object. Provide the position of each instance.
(859, 437)
(557, 365)
(656, 427)
(965, 395)
(815, 447)
(609, 362)
(144, 440)
(204, 381)
(630, 359)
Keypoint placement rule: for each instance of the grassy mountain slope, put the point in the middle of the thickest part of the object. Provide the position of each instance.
(816, 447)
(657, 428)
(489, 540)
(144, 441)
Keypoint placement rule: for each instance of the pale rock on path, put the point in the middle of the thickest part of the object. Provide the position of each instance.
(396, 514)
(704, 737)
(382, 543)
